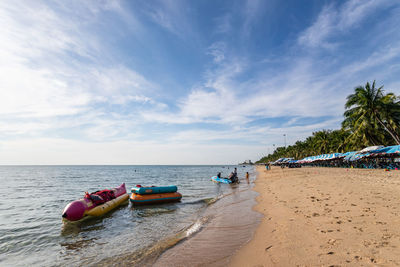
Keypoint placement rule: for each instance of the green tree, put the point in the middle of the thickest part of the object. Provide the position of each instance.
(368, 111)
(371, 118)
(338, 141)
(321, 141)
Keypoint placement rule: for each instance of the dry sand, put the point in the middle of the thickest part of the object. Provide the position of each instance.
(325, 217)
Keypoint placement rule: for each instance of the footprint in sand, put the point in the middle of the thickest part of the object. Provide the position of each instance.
(267, 248)
(331, 241)
(327, 210)
(358, 257)
(367, 243)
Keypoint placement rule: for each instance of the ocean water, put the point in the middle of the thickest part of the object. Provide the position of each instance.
(33, 233)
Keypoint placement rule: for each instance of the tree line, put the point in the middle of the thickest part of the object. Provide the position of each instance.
(371, 118)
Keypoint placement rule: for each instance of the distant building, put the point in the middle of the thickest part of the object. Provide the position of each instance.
(246, 162)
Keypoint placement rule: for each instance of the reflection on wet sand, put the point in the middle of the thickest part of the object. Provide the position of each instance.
(232, 225)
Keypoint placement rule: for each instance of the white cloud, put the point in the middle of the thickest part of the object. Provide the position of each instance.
(217, 50)
(298, 91)
(251, 11)
(355, 11)
(223, 24)
(54, 66)
(316, 34)
(172, 15)
(383, 55)
(57, 75)
(332, 20)
(17, 128)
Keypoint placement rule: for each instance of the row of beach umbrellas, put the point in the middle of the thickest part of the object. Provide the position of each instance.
(368, 152)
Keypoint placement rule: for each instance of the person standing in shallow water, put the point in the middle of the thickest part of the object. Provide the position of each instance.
(267, 166)
(235, 176)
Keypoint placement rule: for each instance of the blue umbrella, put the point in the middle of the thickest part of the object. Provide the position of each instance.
(387, 150)
(349, 155)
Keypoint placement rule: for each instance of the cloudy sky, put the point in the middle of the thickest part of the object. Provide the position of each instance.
(183, 82)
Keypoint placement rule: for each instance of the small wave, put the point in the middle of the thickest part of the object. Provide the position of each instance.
(194, 229)
(148, 255)
(197, 226)
(207, 201)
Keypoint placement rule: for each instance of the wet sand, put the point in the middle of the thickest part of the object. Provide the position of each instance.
(225, 227)
(325, 217)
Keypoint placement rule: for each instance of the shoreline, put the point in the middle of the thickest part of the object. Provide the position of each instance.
(324, 216)
(225, 226)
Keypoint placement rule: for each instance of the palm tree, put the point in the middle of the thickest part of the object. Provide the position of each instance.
(391, 112)
(338, 141)
(368, 110)
(321, 141)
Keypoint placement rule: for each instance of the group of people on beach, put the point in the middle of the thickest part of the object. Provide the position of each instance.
(233, 176)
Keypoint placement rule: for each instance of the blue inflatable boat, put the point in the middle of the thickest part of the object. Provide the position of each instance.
(221, 180)
(143, 190)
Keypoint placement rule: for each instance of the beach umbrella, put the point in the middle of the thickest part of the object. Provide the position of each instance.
(370, 148)
(330, 156)
(394, 150)
(387, 151)
(358, 156)
(287, 160)
(343, 155)
(335, 155)
(349, 155)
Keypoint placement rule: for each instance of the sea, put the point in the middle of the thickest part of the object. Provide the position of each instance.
(206, 228)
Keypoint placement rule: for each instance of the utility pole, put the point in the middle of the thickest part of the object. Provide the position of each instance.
(284, 136)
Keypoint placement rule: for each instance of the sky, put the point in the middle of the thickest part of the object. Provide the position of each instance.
(183, 82)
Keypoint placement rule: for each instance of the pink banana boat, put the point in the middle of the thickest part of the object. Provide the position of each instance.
(95, 204)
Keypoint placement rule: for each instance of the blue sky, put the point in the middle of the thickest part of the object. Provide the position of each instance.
(183, 82)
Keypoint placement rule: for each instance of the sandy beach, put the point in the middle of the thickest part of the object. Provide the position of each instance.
(325, 217)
